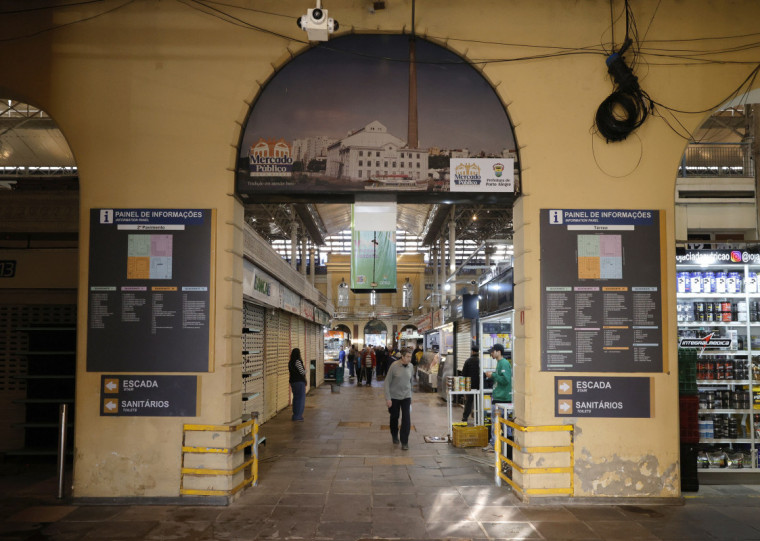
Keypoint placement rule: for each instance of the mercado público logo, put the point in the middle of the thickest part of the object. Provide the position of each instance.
(270, 158)
(482, 174)
(467, 173)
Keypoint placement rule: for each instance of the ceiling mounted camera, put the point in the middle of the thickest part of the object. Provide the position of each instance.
(317, 25)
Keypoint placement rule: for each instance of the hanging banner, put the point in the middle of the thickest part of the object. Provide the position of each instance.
(373, 261)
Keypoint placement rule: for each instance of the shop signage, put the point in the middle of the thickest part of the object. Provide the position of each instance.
(437, 318)
(307, 310)
(321, 317)
(708, 342)
(717, 257)
(149, 290)
(601, 290)
(602, 397)
(425, 323)
(8, 268)
(148, 396)
(260, 286)
(482, 175)
(291, 302)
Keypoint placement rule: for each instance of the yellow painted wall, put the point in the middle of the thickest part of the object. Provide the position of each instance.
(152, 96)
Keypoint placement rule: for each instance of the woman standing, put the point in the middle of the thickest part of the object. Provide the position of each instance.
(297, 383)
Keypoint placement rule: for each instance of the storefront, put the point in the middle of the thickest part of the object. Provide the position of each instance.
(275, 321)
(718, 314)
(495, 326)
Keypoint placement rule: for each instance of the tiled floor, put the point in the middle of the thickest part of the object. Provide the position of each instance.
(338, 476)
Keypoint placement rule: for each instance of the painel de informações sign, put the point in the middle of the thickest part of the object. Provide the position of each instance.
(601, 290)
(149, 290)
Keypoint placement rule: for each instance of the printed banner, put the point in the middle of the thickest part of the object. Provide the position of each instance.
(373, 261)
(482, 174)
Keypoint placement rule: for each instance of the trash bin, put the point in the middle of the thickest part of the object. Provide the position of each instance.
(313, 372)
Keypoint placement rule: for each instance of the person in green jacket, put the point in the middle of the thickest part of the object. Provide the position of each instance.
(502, 390)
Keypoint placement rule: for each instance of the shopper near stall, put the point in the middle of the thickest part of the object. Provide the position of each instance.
(381, 355)
(502, 390)
(342, 357)
(353, 354)
(398, 397)
(297, 373)
(471, 369)
(367, 362)
(417, 357)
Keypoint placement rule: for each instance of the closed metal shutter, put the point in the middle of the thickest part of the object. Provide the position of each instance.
(271, 361)
(253, 359)
(285, 345)
(464, 341)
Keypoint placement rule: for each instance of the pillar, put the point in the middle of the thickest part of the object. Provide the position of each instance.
(293, 244)
(312, 253)
(452, 254)
(304, 240)
(441, 265)
(436, 283)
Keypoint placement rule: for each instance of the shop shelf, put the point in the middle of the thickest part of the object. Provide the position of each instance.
(703, 382)
(724, 411)
(713, 324)
(712, 295)
(726, 440)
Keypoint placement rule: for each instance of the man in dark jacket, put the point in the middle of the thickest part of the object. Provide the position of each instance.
(471, 369)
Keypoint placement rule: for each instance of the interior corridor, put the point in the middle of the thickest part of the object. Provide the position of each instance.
(338, 476)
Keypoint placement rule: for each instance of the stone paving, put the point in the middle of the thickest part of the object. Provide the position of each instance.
(338, 476)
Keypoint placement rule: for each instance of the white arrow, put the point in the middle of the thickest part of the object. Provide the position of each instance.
(110, 406)
(564, 386)
(564, 406)
(111, 386)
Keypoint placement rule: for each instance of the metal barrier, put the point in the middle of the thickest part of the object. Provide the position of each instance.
(249, 467)
(502, 459)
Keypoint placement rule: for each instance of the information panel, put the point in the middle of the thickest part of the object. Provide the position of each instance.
(148, 396)
(149, 290)
(602, 397)
(601, 291)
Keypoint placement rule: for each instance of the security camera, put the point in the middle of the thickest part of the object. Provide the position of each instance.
(317, 24)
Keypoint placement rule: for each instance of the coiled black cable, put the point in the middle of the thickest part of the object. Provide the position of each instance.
(628, 106)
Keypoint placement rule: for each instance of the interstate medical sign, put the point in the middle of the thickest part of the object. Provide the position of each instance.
(585, 396)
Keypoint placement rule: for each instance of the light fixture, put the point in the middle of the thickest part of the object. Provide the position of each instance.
(447, 287)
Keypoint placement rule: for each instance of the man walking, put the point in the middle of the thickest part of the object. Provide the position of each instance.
(471, 369)
(398, 397)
